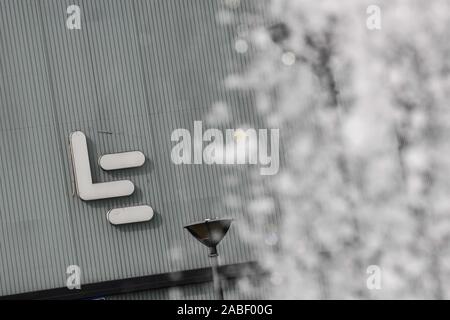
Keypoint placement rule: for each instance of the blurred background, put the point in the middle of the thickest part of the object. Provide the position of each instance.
(364, 124)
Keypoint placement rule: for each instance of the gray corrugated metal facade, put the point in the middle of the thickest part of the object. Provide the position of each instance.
(135, 71)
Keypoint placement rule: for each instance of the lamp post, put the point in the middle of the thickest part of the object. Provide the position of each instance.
(210, 232)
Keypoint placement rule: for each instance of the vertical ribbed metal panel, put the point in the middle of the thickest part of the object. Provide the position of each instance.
(136, 71)
(36, 238)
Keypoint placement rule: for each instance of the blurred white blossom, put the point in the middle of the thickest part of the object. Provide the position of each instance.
(365, 133)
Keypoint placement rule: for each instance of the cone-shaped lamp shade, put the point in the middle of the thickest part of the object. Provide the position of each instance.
(210, 232)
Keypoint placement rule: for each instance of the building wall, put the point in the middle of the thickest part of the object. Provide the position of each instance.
(136, 71)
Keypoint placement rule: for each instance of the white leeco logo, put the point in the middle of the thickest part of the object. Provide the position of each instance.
(87, 190)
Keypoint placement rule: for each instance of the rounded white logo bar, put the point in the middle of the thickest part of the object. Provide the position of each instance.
(123, 160)
(129, 215)
(86, 189)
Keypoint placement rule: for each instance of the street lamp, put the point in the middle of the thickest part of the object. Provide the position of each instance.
(210, 232)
